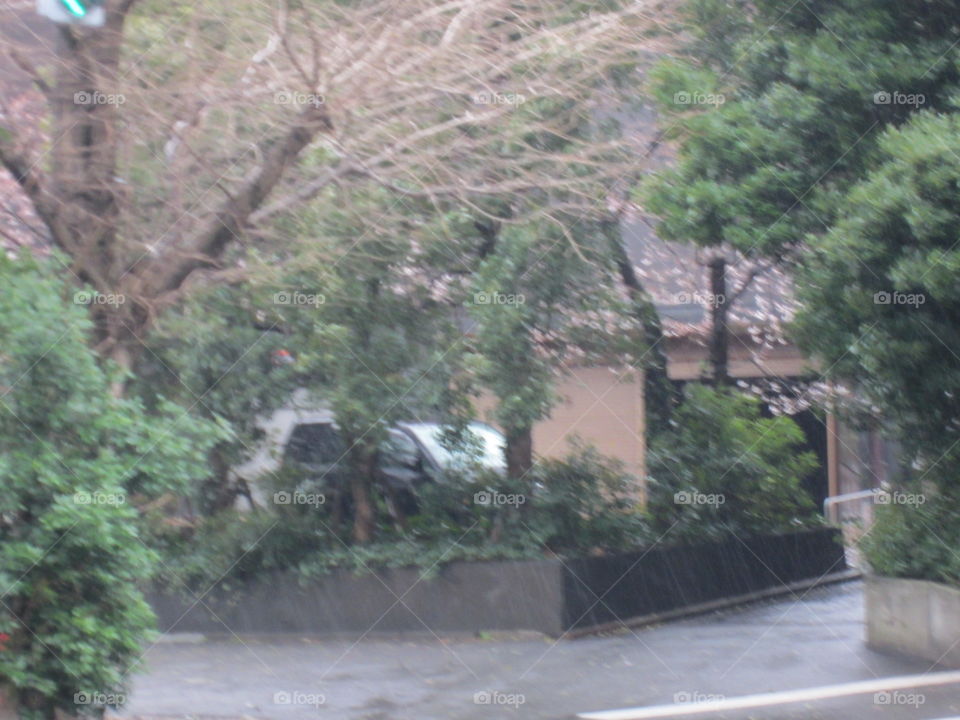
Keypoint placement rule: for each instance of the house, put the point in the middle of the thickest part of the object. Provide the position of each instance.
(604, 406)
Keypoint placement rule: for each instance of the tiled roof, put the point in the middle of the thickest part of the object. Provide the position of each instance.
(677, 277)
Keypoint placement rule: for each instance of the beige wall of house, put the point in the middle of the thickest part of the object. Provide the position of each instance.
(601, 405)
(605, 408)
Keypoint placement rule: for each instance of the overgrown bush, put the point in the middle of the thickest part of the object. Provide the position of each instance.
(211, 356)
(74, 462)
(720, 445)
(724, 469)
(919, 542)
(579, 505)
(587, 503)
(917, 533)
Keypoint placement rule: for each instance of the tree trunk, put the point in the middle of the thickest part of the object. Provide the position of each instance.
(658, 392)
(519, 452)
(719, 334)
(121, 354)
(221, 492)
(8, 705)
(364, 513)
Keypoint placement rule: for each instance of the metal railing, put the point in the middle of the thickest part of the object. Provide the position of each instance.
(853, 513)
(831, 506)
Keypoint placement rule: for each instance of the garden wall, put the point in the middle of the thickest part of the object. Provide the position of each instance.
(549, 595)
(916, 618)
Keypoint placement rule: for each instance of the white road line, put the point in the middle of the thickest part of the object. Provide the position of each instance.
(777, 698)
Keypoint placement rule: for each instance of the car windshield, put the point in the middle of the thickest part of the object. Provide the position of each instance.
(315, 444)
(483, 445)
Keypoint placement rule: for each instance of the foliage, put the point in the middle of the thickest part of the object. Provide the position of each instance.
(587, 503)
(581, 504)
(350, 314)
(383, 345)
(917, 540)
(217, 356)
(798, 115)
(880, 294)
(830, 142)
(75, 461)
(542, 302)
(723, 468)
(232, 547)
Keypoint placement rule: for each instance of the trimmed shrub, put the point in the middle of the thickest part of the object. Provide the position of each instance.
(723, 469)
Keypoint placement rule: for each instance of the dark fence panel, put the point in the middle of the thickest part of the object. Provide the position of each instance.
(606, 589)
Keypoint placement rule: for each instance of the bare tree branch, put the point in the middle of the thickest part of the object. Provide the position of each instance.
(175, 136)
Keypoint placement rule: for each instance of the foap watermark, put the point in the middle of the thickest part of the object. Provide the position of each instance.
(685, 497)
(296, 297)
(296, 697)
(698, 98)
(299, 98)
(883, 497)
(92, 297)
(96, 97)
(898, 697)
(99, 698)
(700, 298)
(686, 697)
(494, 697)
(498, 298)
(899, 298)
(494, 498)
(99, 498)
(886, 97)
(299, 498)
(496, 98)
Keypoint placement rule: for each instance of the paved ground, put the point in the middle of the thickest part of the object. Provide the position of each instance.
(781, 645)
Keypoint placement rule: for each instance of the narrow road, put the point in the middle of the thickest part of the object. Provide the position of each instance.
(803, 641)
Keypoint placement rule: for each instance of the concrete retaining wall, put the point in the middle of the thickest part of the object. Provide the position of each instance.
(461, 597)
(917, 618)
(548, 595)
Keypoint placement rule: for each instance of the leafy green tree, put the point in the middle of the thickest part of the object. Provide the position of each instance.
(224, 359)
(881, 302)
(723, 468)
(779, 109)
(817, 135)
(380, 341)
(882, 307)
(543, 301)
(75, 462)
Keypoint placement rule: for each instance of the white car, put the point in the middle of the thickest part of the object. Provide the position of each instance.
(306, 437)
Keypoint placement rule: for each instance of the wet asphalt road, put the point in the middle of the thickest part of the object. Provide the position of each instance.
(808, 640)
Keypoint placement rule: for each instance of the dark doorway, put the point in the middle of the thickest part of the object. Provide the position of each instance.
(815, 431)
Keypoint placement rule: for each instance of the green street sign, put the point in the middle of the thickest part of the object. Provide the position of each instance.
(89, 13)
(75, 7)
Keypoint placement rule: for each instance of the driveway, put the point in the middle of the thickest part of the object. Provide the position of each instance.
(811, 639)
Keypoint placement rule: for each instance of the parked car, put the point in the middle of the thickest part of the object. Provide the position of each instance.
(307, 441)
